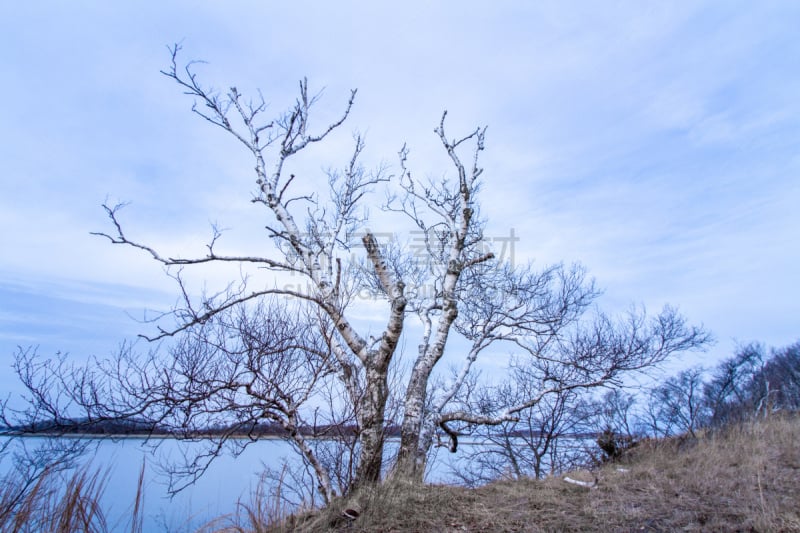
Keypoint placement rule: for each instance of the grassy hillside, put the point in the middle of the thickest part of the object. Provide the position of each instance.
(745, 478)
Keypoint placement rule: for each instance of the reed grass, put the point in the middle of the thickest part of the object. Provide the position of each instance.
(61, 503)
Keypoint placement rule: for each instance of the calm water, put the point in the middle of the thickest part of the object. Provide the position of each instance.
(228, 480)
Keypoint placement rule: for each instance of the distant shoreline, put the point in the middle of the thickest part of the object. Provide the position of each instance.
(204, 436)
(131, 436)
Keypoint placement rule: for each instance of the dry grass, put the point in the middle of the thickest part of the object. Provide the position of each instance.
(257, 516)
(62, 505)
(742, 479)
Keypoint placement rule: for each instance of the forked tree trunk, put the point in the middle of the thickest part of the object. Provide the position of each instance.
(416, 434)
(372, 428)
(410, 464)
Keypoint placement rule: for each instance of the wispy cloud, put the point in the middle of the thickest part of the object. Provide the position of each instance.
(655, 143)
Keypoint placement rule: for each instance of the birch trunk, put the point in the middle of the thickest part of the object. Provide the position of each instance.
(372, 427)
(412, 455)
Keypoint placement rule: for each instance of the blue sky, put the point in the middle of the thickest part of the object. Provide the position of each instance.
(657, 143)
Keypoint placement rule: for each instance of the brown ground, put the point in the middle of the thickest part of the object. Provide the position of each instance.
(742, 479)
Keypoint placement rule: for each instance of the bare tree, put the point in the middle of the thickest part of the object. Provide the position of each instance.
(237, 370)
(453, 285)
(677, 406)
(616, 412)
(781, 377)
(728, 392)
(753, 382)
(545, 438)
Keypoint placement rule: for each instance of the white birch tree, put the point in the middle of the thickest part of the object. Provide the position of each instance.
(453, 286)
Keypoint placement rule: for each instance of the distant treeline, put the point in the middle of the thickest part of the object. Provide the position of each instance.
(141, 428)
(134, 427)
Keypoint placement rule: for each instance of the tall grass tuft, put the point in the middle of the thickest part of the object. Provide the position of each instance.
(267, 510)
(61, 503)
